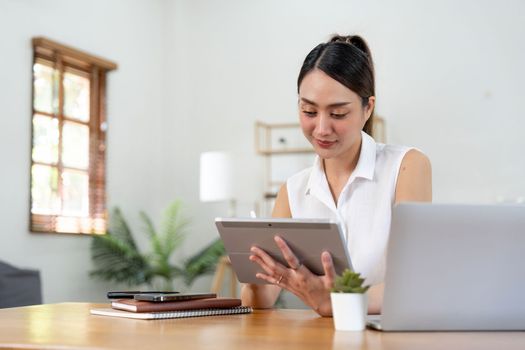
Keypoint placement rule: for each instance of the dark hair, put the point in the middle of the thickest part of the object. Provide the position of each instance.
(348, 60)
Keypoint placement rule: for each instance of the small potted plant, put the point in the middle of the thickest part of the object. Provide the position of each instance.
(349, 302)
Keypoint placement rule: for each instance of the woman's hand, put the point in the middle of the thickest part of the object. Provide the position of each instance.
(313, 290)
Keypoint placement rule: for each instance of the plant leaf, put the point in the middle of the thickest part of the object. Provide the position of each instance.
(115, 260)
(172, 228)
(116, 256)
(203, 262)
(156, 257)
(165, 242)
(120, 229)
(349, 282)
(149, 227)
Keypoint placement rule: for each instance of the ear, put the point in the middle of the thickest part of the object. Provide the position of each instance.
(369, 108)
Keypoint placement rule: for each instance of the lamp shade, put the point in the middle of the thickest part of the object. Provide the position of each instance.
(216, 176)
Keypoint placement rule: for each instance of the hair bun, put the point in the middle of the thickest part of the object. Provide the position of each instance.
(354, 40)
(340, 38)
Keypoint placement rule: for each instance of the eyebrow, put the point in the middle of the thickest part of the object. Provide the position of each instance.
(337, 104)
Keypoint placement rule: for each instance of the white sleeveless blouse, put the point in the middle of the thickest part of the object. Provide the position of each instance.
(364, 206)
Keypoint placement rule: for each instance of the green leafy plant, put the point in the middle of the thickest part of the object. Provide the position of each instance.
(203, 262)
(117, 258)
(349, 282)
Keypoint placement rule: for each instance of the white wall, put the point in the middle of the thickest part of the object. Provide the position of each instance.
(128, 32)
(449, 80)
(194, 76)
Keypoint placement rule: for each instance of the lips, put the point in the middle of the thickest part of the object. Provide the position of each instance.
(325, 144)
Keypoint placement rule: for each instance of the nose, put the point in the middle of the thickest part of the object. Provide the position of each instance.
(323, 126)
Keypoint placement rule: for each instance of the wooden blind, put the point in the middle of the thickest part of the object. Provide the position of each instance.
(67, 59)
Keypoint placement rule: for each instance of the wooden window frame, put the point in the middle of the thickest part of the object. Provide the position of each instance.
(65, 58)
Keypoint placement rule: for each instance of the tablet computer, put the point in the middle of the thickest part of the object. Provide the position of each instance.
(307, 238)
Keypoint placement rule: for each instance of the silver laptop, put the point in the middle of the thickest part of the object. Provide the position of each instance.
(455, 267)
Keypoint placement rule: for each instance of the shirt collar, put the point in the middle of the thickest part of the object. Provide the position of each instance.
(364, 169)
(367, 158)
(316, 175)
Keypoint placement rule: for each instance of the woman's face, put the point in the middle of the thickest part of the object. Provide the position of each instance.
(331, 115)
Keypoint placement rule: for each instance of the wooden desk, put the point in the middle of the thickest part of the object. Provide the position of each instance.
(69, 325)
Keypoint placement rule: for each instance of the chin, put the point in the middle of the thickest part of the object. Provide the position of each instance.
(325, 154)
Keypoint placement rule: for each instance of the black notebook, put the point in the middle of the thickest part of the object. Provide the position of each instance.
(171, 314)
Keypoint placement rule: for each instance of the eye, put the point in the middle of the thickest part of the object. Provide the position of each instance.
(338, 115)
(309, 113)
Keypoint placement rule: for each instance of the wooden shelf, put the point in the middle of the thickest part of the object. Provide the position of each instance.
(270, 195)
(273, 140)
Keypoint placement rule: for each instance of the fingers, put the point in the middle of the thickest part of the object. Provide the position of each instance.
(328, 266)
(268, 264)
(266, 258)
(274, 272)
(271, 276)
(288, 255)
(266, 267)
(278, 281)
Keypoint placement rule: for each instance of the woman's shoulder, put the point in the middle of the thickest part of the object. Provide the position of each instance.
(416, 159)
(393, 158)
(399, 151)
(389, 148)
(301, 175)
(298, 183)
(415, 178)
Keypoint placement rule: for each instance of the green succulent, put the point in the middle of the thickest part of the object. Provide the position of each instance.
(349, 282)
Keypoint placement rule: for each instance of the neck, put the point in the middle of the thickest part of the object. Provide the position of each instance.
(339, 169)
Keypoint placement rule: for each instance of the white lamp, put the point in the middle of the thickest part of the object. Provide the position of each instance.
(216, 178)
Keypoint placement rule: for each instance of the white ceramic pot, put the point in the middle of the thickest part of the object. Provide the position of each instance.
(349, 311)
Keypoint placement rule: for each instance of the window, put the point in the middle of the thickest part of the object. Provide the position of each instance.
(68, 140)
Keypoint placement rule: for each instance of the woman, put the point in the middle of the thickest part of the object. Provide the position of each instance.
(354, 179)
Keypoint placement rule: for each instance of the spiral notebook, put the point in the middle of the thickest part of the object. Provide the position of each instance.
(171, 314)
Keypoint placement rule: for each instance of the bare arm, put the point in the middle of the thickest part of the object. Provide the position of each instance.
(263, 296)
(414, 184)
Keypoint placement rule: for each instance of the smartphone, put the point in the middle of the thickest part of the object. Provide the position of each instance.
(131, 294)
(158, 297)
